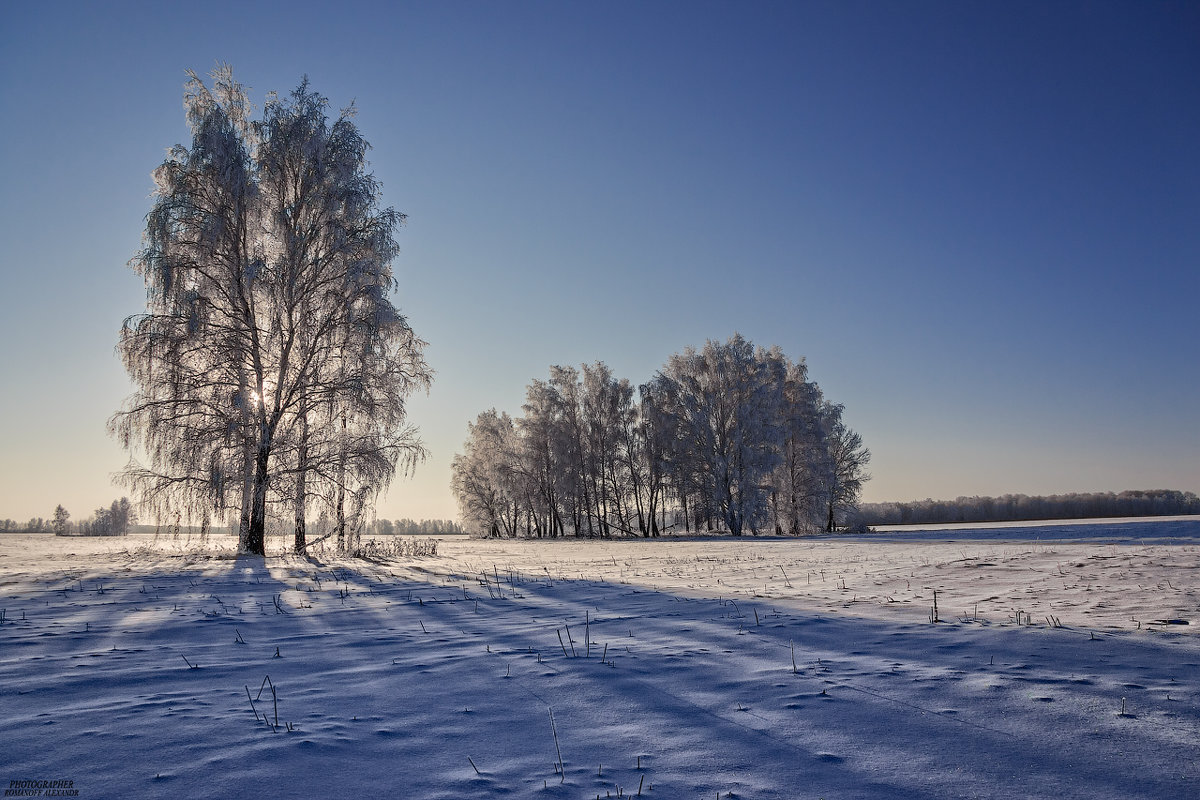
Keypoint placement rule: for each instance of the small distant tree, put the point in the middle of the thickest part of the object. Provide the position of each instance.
(121, 515)
(483, 477)
(61, 515)
(847, 465)
(101, 523)
(798, 485)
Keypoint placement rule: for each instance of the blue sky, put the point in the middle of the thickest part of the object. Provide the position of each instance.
(979, 222)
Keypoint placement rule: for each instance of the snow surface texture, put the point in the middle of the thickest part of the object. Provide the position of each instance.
(755, 668)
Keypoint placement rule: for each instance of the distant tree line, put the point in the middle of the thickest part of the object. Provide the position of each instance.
(1015, 507)
(730, 437)
(409, 527)
(34, 525)
(114, 520)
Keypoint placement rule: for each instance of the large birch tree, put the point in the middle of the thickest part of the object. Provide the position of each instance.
(271, 366)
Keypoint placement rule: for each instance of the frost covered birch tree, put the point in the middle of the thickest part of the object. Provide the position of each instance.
(846, 464)
(271, 366)
(798, 485)
(541, 458)
(483, 477)
(725, 403)
(61, 515)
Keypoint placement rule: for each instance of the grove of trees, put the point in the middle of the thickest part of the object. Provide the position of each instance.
(112, 521)
(271, 366)
(1013, 507)
(729, 437)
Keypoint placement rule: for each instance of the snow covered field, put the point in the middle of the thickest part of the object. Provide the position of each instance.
(752, 668)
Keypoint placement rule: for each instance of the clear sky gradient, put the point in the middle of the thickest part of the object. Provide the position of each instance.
(979, 222)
